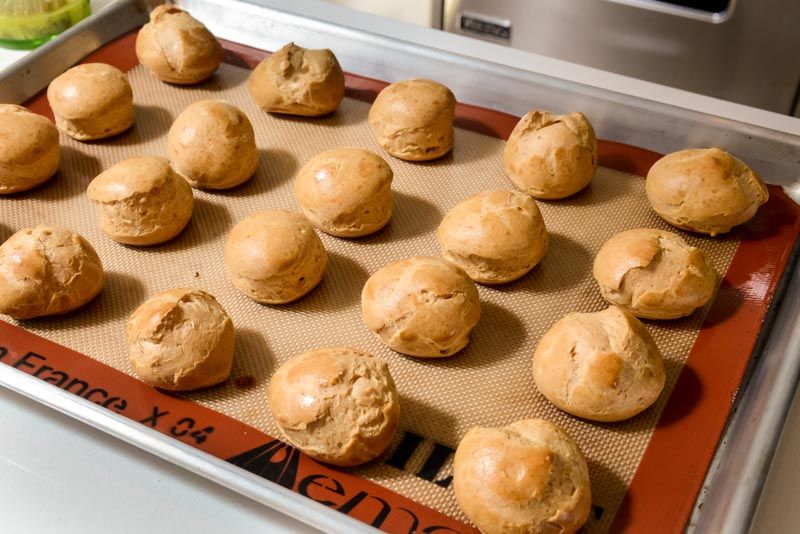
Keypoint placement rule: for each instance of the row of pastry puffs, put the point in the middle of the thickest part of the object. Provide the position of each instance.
(340, 405)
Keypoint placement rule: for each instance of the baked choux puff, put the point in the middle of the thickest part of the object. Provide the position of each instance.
(275, 257)
(413, 119)
(92, 101)
(30, 151)
(47, 271)
(298, 81)
(421, 306)
(338, 405)
(704, 190)
(141, 201)
(525, 478)
(346, 192)
(176, 47)
(181, 339)
(212, 145)
(495, 236)
(551, 156)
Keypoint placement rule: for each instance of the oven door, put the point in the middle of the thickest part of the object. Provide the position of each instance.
(744, 51)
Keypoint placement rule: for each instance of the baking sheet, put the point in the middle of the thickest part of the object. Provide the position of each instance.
(487, 384)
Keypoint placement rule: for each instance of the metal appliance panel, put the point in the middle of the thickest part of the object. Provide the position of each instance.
(749, 56)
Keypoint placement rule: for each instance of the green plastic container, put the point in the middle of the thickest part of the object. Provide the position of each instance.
(25, 24)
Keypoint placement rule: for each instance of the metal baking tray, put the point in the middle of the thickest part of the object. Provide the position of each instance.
(512, 82)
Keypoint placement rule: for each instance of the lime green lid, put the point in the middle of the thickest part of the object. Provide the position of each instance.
(29, 23)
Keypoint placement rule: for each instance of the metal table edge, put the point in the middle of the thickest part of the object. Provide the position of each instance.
(181, 454)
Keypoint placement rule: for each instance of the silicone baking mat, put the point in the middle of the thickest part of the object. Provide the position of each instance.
(489, 383)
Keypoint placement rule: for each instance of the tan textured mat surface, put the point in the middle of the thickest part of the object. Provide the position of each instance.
(488, 384)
